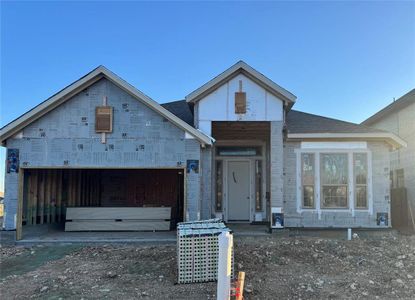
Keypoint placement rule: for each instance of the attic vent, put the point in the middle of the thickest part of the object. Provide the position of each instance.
(103, 119)
(240, 100)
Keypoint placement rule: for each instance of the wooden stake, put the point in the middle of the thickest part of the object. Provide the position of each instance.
(240, 286)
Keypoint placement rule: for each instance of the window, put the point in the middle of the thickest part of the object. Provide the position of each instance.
(238, 151)
(334, 180)
(103, 119)
(258, 185)
(360, 179)
(219, 185)
(307, 175)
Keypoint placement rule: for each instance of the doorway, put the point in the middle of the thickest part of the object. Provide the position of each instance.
(239, 200)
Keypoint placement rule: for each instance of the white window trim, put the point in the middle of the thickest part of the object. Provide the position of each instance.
(317, 209)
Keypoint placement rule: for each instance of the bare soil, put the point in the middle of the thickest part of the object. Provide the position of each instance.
(276, 267)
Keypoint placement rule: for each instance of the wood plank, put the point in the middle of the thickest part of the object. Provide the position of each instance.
(70, 189)
(48, 189)
(41, 195)
(117, 226)
(29, 202)
(78, 179)
(59, 194)
(19, 217)
(54, 189)
(35, 196)
(118, 213)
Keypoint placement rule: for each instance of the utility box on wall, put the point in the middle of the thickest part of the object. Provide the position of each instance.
(277, 218)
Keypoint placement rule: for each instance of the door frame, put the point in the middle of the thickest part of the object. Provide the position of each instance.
(226, 190)
(264, 157)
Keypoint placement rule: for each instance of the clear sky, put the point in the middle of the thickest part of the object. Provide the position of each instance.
(345, 60)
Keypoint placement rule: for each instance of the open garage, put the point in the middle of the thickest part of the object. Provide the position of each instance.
(103, 199)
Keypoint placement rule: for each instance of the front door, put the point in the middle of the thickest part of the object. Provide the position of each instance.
(238, 191)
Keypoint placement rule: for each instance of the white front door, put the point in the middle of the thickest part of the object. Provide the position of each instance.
(238, 191)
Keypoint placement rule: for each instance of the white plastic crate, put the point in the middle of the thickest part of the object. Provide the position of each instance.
(198, 250)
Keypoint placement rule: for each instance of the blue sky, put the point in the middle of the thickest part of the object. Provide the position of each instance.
(345, 60)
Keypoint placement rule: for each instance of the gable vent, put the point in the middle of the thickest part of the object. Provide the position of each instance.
(103, 119)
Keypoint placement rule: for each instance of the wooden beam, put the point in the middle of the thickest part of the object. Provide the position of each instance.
(53, 196)
(29, 200)
(59, 195)
(19, 217)
(41, 195)
(34, 179)
(48, 195)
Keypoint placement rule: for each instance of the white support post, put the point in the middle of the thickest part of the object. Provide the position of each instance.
(224, 266)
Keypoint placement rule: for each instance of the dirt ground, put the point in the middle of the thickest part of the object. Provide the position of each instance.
(382, 267)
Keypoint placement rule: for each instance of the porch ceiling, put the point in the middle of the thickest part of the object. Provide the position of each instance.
(225, 130)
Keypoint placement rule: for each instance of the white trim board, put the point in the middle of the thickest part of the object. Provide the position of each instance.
(333, 145)
(241, 67)
(391, 138)
(101, 72)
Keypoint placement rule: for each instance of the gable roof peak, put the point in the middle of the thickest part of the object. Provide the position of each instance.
(87, 80)
(251, 73)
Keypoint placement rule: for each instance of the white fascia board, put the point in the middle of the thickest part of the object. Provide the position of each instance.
(391, 138)
(193, 96)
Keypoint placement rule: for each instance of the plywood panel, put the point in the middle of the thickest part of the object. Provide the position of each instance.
(118, 213)
(117, 226)
(241, 130)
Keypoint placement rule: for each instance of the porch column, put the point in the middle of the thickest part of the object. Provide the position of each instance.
(276, 164)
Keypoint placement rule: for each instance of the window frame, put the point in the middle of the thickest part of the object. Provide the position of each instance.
(355, 184)
(350, 186)
(308, 185)
(322, 185)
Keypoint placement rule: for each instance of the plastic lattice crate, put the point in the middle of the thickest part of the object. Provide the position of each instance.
(198, 250)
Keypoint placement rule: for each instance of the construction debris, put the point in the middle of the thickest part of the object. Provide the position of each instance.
(275, 266)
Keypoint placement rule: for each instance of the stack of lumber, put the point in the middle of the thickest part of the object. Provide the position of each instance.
(117, 218)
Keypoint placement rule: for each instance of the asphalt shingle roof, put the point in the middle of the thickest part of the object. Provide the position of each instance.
(301, 122)
(297, 121)
(180, 109)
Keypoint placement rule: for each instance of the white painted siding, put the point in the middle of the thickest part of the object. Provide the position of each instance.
(220, 104)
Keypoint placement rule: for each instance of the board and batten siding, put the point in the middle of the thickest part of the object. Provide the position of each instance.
(379, 152)
(220, 104)
(66, 137)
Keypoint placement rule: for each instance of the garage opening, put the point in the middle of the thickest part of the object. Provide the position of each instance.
(49, 194)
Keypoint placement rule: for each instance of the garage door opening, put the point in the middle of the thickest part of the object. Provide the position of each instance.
(48, 193)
